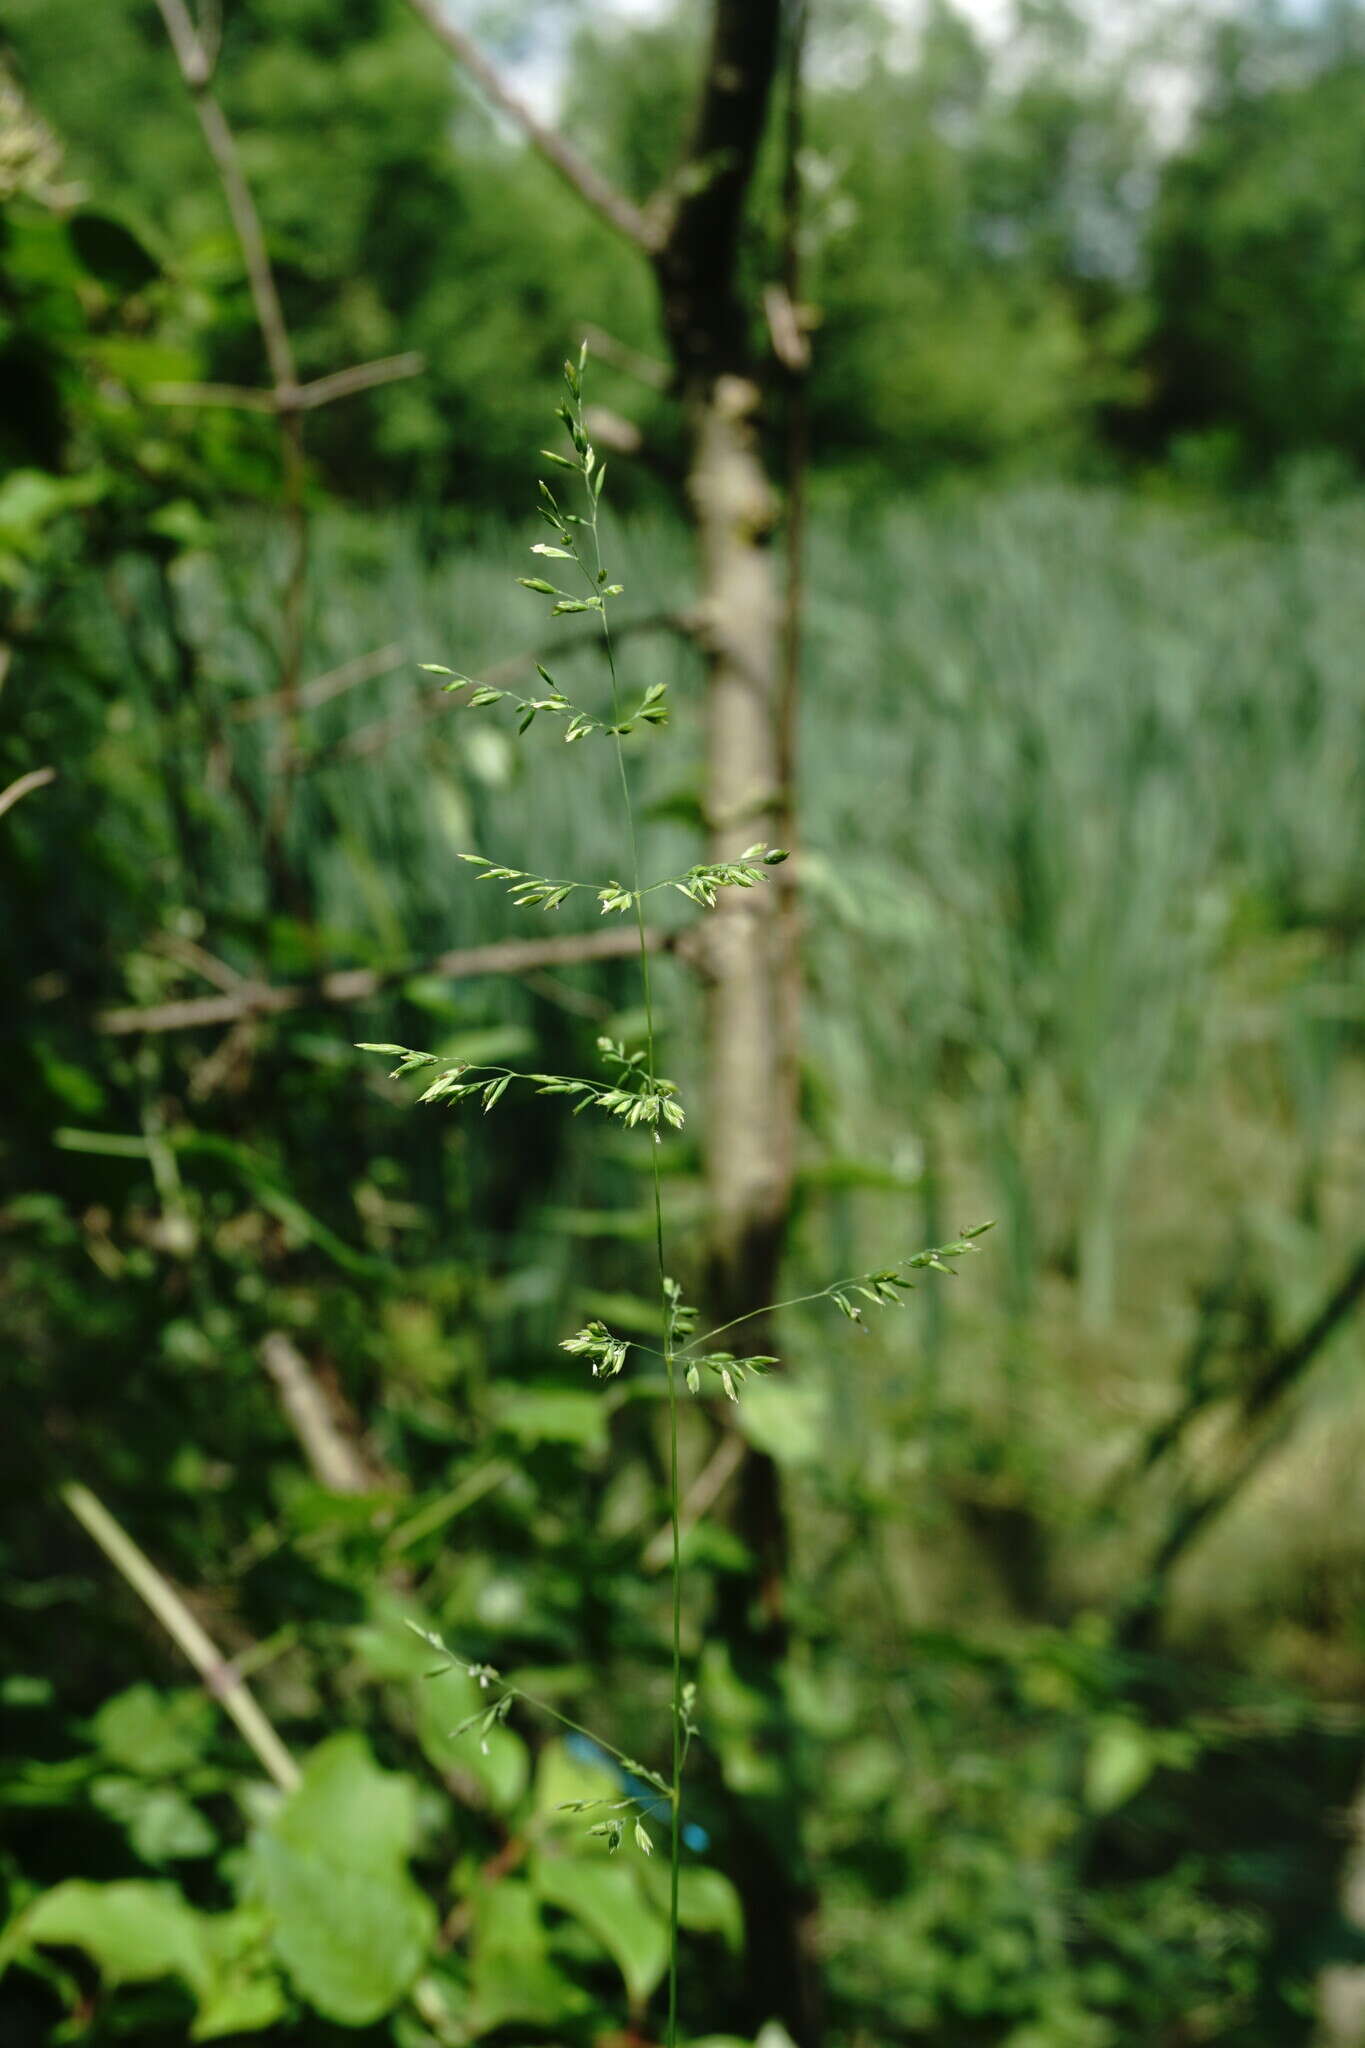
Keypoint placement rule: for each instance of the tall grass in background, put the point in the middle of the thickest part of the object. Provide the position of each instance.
(1085, 839)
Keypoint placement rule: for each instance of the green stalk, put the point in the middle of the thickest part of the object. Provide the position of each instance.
(670, 1367)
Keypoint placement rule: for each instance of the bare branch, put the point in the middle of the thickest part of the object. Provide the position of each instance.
(1264, 1394)
(321, 690)
(229, 1058)
(359, 984)
(360, 377)
(196, 57)
(196, 69)
(715, 1475)
(239, 397)
(332, 1457)
(288, 400)
(612, 430)
(293, 398)
(37, 778)
(187, 954)
(220, 1678)
(610, 205)
(791, 343)
(438, 1513)
(645, 369)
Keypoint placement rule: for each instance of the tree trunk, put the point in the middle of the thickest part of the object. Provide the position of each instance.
(750, 1139)
(1341, 1987)
(747, 963)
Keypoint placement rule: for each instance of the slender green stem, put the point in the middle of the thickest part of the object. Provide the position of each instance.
(627, 1763)
(670, 1367)
(771, 1308)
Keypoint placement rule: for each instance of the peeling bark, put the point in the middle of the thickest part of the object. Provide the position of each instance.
(748, 962)
(1341, 1988)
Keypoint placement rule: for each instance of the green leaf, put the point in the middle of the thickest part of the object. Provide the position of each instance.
(395, 1643)
(163, 1826)
(496, 1761)
(244, 1995)
(155, 1734)
(349, 1924)
(607, 1899)
(134, 1932)
(240, 2005)
(788, 1419)
(707, 1901)
(1122, 1758)
(554, 1415)
(709, 1904)
(513, 1975)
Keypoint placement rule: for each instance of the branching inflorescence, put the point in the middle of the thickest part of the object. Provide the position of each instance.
(636, 1094)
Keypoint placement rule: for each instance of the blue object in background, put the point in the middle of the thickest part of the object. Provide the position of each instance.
(589, 1752)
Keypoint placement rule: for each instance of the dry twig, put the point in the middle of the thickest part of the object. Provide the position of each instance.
(358, 984)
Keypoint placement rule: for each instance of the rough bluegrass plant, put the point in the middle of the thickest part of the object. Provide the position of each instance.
(637, 1095)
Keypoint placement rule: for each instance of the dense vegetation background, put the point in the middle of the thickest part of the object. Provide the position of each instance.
(1070, 1722)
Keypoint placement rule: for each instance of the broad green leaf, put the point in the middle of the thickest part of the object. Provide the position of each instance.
(156, 1734)
(163, 1826)
(349, 1924)
(386, 1644)
(513, 1976)
(134, 1932)
(707, 1901)
(240, 2005)
(245, 1994)
(607, 1899)
(786, 1418)
(392, 1651)
(555, 1415)
(352, 1938)
(497, 1761)
(350, 1808)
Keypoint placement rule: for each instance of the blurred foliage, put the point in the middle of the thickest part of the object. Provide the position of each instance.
(1258, 255)
(966, 211)
(1090, 959)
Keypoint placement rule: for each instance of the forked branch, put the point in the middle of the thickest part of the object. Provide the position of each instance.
(196, 68)
(294, 397)
(359, 984)
(220, 1677)
(612, 206)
